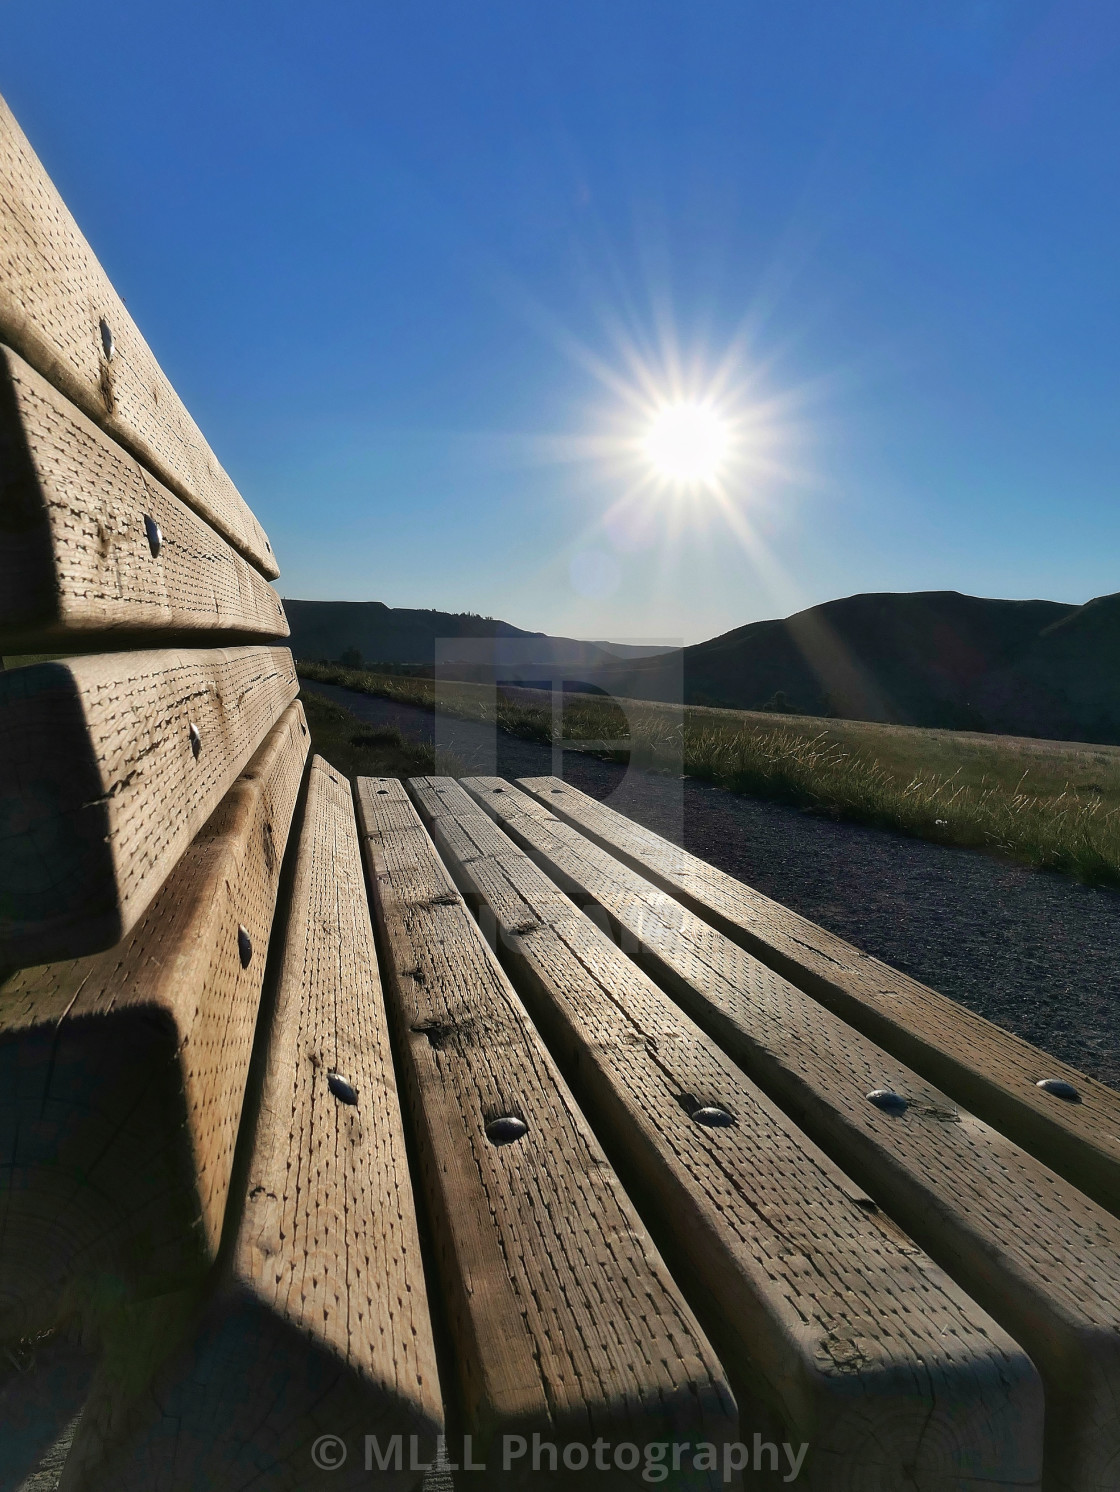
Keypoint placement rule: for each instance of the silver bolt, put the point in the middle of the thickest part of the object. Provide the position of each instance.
(196, 740)
(505, 1130)
(154, 533)
(888, 1100)
(712, 1117)
(107, 343)
(1060, 1089)
(342, 1090)
(244, 945)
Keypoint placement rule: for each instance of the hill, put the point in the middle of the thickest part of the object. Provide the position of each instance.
(396, 634)
(928, 658)
(934, 658)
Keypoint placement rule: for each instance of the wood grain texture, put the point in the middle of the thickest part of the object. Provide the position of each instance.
(988, 1070)
(122, 1075)
(102, 789)
(320, 1323)
(871, 1355)
(54, 297)
(76, 559)
(564, 1318)
(1034, 1251)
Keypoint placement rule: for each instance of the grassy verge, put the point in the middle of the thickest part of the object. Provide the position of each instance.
(1051, 804)
(358, 749)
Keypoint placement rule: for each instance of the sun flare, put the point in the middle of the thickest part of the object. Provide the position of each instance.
(686, 443)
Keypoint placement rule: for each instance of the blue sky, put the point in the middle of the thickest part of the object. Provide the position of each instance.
(421, 270)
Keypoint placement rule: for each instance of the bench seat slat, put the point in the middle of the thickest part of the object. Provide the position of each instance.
(77, 566)
(319, 1324)
(109, 766)
(564, 1318)
(122, 1074)
(1034, 1251)
(873, 1356)
(990, 1071)
(54, 301)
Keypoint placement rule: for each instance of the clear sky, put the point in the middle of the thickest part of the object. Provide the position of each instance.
(424, 272)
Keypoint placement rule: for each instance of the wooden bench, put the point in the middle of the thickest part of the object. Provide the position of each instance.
(740, 1205)
(1027, 1245)
(331, 1126)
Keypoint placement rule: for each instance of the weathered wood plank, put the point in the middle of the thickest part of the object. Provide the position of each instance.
(109, 766)
(319, 1325)
(43, 1385)
(565, 1320)
(59, 311)
(926, 1386)
(122, 1075)
(988, 1070)
(93, 549)
(1035, 1252)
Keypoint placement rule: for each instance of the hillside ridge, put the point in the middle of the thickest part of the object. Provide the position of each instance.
(938, 659)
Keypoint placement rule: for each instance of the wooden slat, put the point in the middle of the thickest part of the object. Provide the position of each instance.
(563, 1316)
(320, 1322)
(43, 1385)
(54, 301)
(76, 542)
(871, 1354)
(1035, 1252)
(122, 1075)
(988, 1070)
(102, 789)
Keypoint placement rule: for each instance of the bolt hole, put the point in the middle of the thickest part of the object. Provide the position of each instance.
(196, 740)
(505, 1130)
(888, 1100)
(342, 1090)
(244, 945)
(1059, 1088)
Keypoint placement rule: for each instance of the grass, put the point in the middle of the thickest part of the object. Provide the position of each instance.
(360, 750)
(1054, 805)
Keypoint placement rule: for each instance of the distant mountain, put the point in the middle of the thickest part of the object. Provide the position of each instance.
(395, 634)
(928, 658)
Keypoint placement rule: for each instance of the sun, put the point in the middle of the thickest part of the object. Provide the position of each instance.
(687, 443)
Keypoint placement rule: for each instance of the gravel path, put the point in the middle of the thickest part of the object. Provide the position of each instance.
(1037, 953)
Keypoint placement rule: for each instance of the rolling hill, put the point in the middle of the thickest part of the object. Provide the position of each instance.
(928, 658)
(397, 634)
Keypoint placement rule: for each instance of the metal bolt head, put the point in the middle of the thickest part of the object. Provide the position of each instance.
(505, 1130)
(196, 740)
(154, 533)
(244, 945)
(342, 1090)
(712, 1117)
(109, 347)
(888, 1100)
(1060, 1089)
